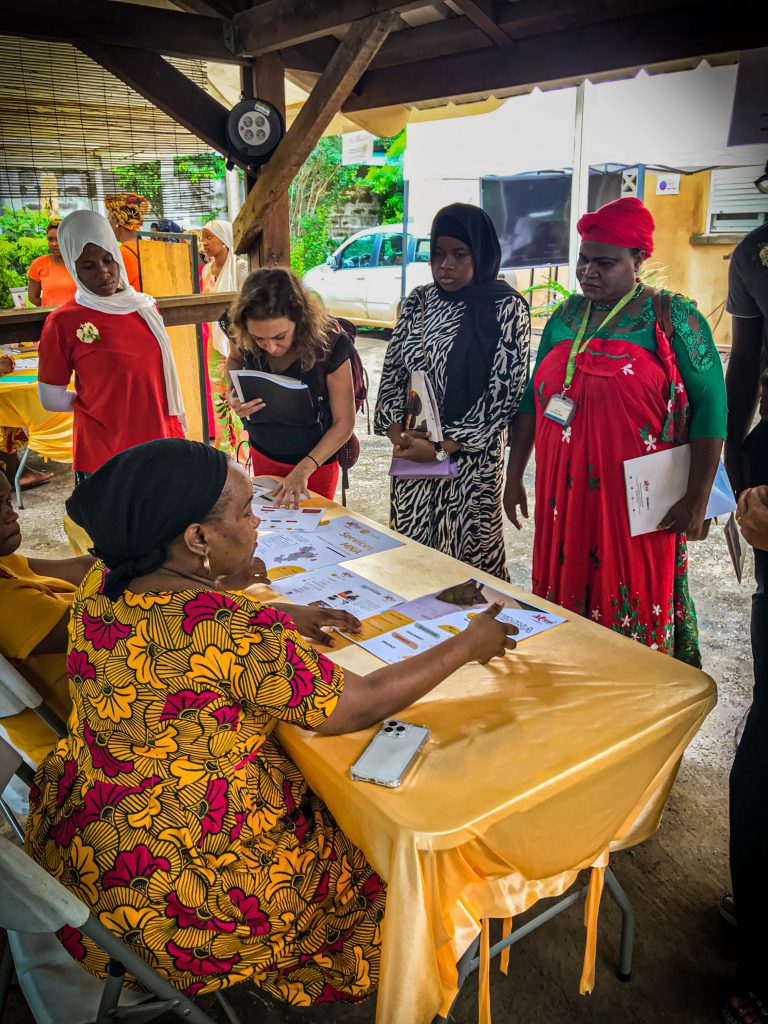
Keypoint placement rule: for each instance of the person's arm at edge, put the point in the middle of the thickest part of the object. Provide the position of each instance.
(71, 570)
(742, 383)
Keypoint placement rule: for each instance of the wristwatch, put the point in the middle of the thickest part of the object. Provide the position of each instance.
(440, 453)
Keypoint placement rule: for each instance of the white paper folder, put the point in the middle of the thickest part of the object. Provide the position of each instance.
(656, 481)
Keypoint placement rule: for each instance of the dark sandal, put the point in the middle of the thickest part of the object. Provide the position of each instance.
(725, 908)
(750, 1005)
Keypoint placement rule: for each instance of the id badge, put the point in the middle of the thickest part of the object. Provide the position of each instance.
(560, 409)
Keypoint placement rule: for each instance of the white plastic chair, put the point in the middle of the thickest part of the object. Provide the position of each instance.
(33, 907)
(17, 695)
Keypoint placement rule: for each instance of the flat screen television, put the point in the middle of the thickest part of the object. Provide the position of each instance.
(531, 213)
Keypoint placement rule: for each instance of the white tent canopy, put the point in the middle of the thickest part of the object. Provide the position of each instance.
(678, 121)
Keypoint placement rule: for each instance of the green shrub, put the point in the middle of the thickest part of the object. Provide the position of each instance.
(23, 223)
(16, 254)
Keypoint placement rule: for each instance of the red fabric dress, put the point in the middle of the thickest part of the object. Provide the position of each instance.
(121, 400)
(629, 402)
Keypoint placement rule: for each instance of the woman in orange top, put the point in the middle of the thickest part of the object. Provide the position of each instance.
(126, 212)
(50, 283)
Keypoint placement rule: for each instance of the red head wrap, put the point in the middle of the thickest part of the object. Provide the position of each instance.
(625, 222)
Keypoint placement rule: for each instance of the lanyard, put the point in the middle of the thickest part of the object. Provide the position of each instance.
(579, 344)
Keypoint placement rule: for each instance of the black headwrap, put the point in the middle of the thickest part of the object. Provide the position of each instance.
(144, 498)
(470, 361)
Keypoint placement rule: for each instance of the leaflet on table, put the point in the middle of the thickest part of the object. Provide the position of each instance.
(299, 520)
(471, 594)
(415, 626)
(286, 552)
(21, 363)
(338, 588)
(353, 539)
(414, 637)
(263, 488)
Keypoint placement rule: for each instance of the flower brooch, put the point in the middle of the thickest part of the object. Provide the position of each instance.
(762, 254)
(88, 333)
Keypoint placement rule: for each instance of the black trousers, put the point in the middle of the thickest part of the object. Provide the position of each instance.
(749, 776)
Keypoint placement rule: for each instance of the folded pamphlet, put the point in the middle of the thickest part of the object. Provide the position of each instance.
(287, 401)
(423, 413)
(655, 482)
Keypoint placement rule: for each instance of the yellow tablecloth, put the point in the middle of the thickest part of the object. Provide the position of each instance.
(537, 766)
(50, 434)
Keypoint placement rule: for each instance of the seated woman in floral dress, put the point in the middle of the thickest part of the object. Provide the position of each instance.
(171, 809)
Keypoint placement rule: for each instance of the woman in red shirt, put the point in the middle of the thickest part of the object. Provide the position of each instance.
(113, 339)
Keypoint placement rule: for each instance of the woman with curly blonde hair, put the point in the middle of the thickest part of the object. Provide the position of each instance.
(276, 326)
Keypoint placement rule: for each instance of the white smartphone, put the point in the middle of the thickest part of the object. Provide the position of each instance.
(390, 753)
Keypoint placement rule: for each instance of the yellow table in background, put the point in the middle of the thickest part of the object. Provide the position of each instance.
(538, 765)
(49, 433)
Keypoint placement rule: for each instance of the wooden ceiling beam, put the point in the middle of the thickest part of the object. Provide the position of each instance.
(352, 57)
(670, 34)
(276, 24)
(438, 39)
(312, 56)
(168, 89)
(485, 14)
(152, 29)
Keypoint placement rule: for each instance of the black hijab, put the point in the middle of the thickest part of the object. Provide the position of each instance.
(144, 498)
(470, 361)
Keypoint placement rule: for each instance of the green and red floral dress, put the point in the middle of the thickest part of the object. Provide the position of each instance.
(636, 392)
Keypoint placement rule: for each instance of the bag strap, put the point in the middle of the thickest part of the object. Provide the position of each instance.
(662, 308)
(423, 345)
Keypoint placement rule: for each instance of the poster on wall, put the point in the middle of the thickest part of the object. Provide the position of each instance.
(668, 185)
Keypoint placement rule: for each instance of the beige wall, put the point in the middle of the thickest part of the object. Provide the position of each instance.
(699, 271)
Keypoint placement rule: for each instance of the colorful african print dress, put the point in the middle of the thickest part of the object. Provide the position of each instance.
(173, 813)
(636, 392)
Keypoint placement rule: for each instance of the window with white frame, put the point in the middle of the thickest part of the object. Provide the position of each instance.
(735, 205)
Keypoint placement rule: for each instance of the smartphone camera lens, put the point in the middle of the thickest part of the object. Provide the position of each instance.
(388, 729)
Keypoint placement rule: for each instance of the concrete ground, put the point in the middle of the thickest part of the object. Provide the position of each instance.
(683, 951)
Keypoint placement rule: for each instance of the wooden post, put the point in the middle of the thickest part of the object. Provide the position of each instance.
(265, 79)
(353, 55)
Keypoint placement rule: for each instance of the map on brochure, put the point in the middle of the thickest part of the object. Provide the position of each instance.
(353, 539)
(299, 520)
(287, 552)
(338, 588)
(419, 625)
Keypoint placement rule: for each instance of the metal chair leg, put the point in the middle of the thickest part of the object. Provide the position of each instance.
(110, 996)
(227, 1008)
(624, 973)
(17, 478)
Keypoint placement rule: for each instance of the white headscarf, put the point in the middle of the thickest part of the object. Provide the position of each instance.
(77, 230)
(230, 277)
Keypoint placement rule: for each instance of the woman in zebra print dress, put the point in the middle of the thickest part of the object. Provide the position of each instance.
(476, 333)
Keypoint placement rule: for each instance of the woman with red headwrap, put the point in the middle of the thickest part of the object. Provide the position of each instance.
(622, 370)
